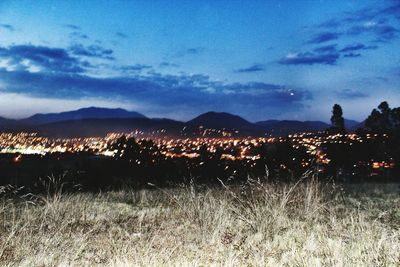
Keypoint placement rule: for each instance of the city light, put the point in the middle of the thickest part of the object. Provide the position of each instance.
(231, 148)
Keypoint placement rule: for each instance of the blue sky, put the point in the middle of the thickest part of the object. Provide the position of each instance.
(177, 59)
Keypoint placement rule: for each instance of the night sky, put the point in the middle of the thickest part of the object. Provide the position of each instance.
(177, 59)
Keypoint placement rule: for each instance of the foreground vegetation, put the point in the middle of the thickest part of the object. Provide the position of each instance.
(307, 223)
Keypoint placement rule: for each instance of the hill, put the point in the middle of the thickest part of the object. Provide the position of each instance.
(83, 113)
(220, 120)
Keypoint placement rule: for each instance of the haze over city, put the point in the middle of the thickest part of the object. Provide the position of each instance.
(260, 60)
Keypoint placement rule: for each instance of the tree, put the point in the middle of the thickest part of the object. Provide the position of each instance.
(382, 119)
(126, 148)
(373, 122)
(337, 119)
(386, 115)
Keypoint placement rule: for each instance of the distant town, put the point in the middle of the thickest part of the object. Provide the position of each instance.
(197, 149)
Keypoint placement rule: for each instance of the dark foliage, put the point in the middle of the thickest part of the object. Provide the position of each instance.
(337, 120)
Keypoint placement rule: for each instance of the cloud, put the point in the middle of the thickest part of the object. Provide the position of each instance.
(121, 35)
(357, 46)
(376, 20)
(195, 50)
(385, 32)
(323, 37)
(386, 10)
(393, 9)
(310, 58)
(382, 11)
(253, 68)
(331, 23)
(76, 32)
(78, 35)
(133, 68)
(168, 65)
(192, 51)
(40, 58)
(72, 27)
(350, 94)
(94, 51)
(382, 32)
(350, 55)
(7, 27)
(160, 93)
(328, 54)
(326, 49)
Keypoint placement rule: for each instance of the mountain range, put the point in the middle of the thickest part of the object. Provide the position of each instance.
(94, 121)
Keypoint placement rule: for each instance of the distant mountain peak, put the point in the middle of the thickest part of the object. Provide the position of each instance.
(217, 120)
(98, 108)
(82, 113)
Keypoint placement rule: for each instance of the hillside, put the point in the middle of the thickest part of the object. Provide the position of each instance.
(221, 120)
(83, 113)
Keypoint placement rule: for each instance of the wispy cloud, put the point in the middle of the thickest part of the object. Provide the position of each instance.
(350, 94)
(331, 23)
(253, 68)
(379, 20)
(7, 27)
(357, 46)
(381, 31)
(76, 32)
(168, 65)
(195, 50)
(326, 49)
(192, 51)
(351, 55)
(134, 68)
(310, 58)
(121, 35)
(376, 23)
(323, 37)
(78, 35)
(94, 51)
(72, 27)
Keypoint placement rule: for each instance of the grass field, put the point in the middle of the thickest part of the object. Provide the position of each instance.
(259, 224)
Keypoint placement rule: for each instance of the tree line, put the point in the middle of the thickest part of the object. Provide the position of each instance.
(382, 119)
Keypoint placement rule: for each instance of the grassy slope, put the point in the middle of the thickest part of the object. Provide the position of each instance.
(257, 225)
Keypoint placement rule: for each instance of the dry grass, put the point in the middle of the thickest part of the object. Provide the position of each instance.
(260, 224)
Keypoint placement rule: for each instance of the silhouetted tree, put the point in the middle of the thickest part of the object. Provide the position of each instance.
(337, 119)
(382, 119)
(203, 152)
(386, 115)
(373, 122)
(119, 146)
(126, 148)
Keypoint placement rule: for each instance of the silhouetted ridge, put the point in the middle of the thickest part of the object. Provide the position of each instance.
(220, 120)
(83, 113)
